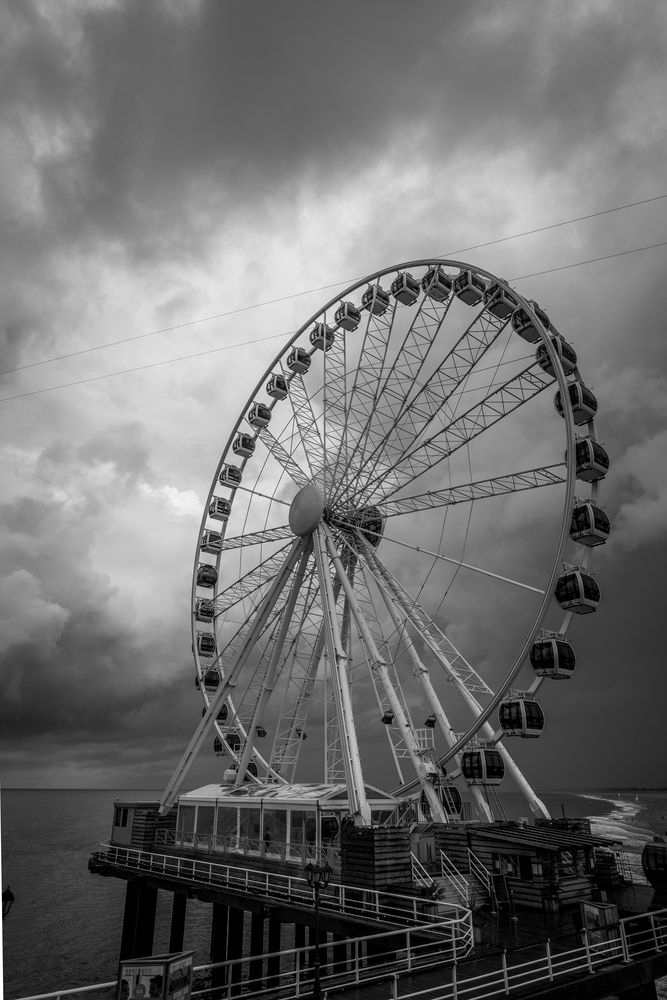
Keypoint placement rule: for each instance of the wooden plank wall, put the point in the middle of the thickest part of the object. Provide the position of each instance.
(375, 858)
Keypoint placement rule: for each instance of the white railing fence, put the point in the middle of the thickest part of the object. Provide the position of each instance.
(405, 952)
(252, 846)
(456, 878)
(371, 904)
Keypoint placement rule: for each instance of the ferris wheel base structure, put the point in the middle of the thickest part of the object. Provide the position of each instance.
(399, 528)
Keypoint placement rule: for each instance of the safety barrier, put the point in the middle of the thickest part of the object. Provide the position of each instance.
(404, 952)
(369, 904)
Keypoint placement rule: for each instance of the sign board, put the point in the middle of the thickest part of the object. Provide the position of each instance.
(161, 977)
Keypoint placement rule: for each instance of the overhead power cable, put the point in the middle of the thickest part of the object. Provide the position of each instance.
(320, 288)
(275, 336)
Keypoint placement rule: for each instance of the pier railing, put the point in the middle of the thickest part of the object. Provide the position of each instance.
(404, 954)
(256, 847)
(368, 904)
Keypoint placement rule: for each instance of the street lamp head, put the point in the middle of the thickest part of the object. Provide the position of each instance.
(318, 875)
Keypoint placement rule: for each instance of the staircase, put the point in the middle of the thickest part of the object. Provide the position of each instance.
(472, 887)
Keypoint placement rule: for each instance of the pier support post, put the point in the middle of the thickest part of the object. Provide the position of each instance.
(138, 920)
(235, 946)
(219, 924)
(255, 968)
(177, 928)
(273, 970)
(340, 963)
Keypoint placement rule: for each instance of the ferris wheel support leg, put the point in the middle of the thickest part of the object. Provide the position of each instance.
(535, 804)
(422, 674)
(361, 810)
(208, 720)
(379, 666)
(270, 677)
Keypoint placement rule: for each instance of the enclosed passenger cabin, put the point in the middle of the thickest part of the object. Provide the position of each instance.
(430, 721)
(298, 360)
(218, 748)
(204, 610)
(553, 656)
(259, 415)
(347, 316)
(654, 862)
(322, 337)
(276, 387)
(521, 716)
(375, 299)
(566, 355)
(230, 475)
(590, 525)
(212, 680)
(207, 576)
(482, 766)
(499, 301)
(219, 509)
(387, 718)
(592, 461)
(244, 445)
(469, 287)
(211, 541)
(290, 823)
(578, 592)
(583, 402)
(524, 326)
(436, 284)
(405, 288)
(233, 741)
(206, 644)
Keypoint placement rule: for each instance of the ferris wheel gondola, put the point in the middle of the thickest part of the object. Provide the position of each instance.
(376, 472)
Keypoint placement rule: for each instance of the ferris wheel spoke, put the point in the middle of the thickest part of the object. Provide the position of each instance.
(359, 405)
(256, 578)
(258, 537)
(467, 680)
(418, 409)
(306, 423)
(300, 664)
(283, 457)
(463, 565)
(379, 666)
(259, 698)
(513, 482)
(427, 454)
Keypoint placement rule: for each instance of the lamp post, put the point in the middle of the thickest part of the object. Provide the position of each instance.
(317, 876)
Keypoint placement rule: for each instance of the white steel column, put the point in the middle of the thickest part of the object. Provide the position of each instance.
(270, 676)
(209, 717)
(360, 808)
(379, 666)
(422, 674)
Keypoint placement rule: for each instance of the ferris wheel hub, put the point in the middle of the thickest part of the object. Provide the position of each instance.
(306, 510)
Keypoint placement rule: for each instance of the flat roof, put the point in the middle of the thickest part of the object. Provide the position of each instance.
(332, 794)
(548, 838)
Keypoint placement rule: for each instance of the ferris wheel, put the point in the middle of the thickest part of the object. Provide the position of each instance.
(395, 541)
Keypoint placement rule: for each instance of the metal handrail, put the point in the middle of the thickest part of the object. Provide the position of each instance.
(420, 875)
(638, 937)
(457, 878)
(253, 846)
(480, 871)
(371, 904)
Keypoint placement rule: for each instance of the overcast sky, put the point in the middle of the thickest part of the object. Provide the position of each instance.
(166, 162)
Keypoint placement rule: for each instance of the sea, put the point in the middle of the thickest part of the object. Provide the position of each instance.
(63, 929)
